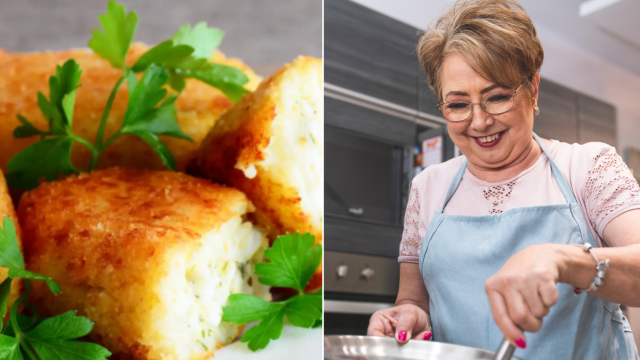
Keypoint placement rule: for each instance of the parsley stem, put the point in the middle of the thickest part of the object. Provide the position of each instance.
(107, 110)
(95, 153)
(111, 139)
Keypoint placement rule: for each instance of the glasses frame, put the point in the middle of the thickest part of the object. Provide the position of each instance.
(482, 104)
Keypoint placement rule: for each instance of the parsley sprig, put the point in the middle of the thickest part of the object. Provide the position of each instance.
(32, 338)
(293, 260)
(151, 112)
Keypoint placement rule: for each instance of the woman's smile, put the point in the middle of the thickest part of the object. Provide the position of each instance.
(489, 140)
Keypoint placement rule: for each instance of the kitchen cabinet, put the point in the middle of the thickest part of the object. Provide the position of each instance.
(596, 121)
(370, 53)
(361, 236)
(558, 113)
(369, 122)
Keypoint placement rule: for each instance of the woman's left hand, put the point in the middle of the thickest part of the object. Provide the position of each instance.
(522, 292)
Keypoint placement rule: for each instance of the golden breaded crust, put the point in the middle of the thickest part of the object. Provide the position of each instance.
(104, 238)
(240, 137)
(23, 75)
(6, 209)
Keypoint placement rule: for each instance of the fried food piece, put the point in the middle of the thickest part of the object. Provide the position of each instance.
(23, 75)
(150, 256)
(6, 209)
(270, 146)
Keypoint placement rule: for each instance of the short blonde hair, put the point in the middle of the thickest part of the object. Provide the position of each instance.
(495, 37)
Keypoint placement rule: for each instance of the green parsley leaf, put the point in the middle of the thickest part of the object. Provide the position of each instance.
(47, 159)
(114, 41)
(164, 53)
(247, 308)
(10, 255)
(228, 79)
(270, 328)
(23, 321)
(303, 311)
(160, 148)
(5, 289)
(66, 326)
(50, 157)
(294, 259)
(9, 348)
(50, 339)
(202, 38)
(30, 275)
(26, 129)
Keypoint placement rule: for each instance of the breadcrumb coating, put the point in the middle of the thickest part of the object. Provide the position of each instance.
(112, 238)
(23, 75)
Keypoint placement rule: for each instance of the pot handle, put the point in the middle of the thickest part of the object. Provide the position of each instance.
(505, 351)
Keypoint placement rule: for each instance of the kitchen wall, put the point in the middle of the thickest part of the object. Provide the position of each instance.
(578, 55)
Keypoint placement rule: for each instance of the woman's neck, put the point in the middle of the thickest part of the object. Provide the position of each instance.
(525, 160)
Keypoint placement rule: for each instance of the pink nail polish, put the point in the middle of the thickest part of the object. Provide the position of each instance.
(427, 336)
(521, 343)
(402, 336)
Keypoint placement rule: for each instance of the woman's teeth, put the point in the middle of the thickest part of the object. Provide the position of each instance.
(488, 138)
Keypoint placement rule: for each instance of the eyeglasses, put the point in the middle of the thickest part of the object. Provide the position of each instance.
(494, 104)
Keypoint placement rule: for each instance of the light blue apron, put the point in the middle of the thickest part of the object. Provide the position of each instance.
(459, 253)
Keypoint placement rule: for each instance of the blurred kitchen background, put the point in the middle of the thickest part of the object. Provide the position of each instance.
(264, 34)
(382, 126)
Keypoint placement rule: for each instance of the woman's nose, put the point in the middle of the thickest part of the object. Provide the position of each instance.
(480, 119)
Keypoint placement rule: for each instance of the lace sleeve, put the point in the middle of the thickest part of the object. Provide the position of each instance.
(611, 189)
(410, 244)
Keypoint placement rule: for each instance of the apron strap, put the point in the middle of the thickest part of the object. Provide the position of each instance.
(562, 183)
(454, 185)
(564, 186)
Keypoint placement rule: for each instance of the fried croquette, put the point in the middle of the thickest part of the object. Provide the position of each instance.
(270, 146)
(150, 256)
(6, 209)
(23, 75)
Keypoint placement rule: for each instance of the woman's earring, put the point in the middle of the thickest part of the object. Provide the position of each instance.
(536, 111)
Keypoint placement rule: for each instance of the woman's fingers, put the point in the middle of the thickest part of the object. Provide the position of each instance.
(520, 312)
(407, 320)
(379, 325)
(423, 335)
(503, 320)
(548, 293)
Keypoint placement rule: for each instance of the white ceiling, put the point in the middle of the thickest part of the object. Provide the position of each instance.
(618, 18)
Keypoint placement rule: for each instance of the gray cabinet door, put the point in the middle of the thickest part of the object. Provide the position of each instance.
(370, 53)
(427, 100)
(596, 121)
(558, 112)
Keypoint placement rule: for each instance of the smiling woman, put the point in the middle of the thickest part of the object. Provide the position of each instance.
(520, 212)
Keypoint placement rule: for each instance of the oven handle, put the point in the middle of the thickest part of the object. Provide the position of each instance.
(354, 307)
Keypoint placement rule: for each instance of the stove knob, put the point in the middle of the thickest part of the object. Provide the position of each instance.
(367, 273)
(342, 271)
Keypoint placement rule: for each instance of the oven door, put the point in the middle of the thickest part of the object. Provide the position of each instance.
(356, 286)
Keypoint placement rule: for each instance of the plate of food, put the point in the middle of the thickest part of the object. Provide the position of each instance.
(159, 202)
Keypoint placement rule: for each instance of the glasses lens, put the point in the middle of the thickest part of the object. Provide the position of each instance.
(455, 111)
(499, 102)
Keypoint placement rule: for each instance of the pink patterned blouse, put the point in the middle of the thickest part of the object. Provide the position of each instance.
(601, 182)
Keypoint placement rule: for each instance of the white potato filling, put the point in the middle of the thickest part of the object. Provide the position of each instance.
(199, 283)
(295, 152)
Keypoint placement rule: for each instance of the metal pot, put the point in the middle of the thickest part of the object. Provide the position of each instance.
(350, 347)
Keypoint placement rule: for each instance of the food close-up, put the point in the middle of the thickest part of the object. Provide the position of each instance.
(159, 200)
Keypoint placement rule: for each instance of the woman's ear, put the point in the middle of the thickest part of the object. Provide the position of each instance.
(536, 83)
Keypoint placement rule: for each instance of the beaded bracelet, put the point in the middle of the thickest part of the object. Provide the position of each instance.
(601, 267)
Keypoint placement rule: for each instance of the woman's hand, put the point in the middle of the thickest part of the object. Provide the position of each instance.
(403, 322)
(522, 292)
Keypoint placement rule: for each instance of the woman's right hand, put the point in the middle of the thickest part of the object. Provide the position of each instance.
(403, 322)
